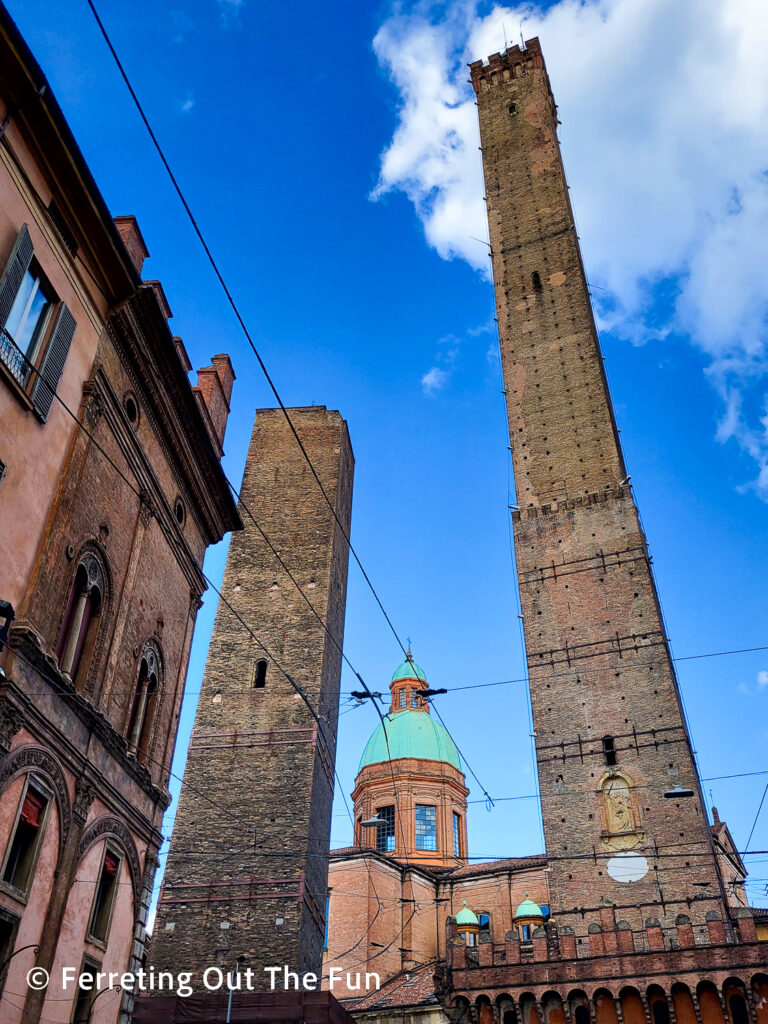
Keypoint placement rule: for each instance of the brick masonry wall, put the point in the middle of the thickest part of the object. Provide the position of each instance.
(255, 807)
(598, 659)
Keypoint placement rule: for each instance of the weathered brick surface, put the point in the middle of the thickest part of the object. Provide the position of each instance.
(598, 658)
(250, 842)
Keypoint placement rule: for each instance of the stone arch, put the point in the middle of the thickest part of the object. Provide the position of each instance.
(710, 1007)
(554, 1011)
(507, 1012)
(684, 1006)
(529, 1011)
(760, 997)
(32, 758)
(658, 1006)
(735, 998)
(111, 827)
(92, 565)
(145, 708)
(579, 1007)
(605, 1007)
(632, 1009)
(484, 1010)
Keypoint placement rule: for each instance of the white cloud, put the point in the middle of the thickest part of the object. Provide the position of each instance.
(187, 105)
(762, 678)
(230, 9)
(665, 141)
(434, 380)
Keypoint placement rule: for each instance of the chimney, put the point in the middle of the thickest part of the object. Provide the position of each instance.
(213, 392)
(133, 240)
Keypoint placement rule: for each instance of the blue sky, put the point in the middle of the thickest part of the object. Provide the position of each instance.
(275, 117)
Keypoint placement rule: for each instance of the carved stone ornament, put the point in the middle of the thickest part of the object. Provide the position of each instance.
(84, 796)
(108, 826)
(94, 410)
(33, 758)
(93, 570)
(146, 510)
(621, 818)
(11, 720)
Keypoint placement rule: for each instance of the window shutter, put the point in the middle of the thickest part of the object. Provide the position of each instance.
(14, 272)
(46, 380)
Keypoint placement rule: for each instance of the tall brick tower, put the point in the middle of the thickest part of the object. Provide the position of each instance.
(611, 739)
(247, 870)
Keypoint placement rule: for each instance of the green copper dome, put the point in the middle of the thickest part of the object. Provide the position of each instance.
(411, 734)
(465, 916)
(409, 670)
(529, 909)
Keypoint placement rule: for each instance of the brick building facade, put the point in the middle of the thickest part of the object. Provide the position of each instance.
(247, 869)
(105, 526)
(637, 913)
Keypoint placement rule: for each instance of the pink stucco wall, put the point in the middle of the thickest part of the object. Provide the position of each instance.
(34, 453)
(33, 913)
(72, 943)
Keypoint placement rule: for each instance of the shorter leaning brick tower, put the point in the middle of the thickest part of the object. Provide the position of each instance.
(247, 869)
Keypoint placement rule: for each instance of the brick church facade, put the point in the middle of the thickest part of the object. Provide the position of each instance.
(636, 913)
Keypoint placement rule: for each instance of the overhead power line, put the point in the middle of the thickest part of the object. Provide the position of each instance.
(238, 315)
(246, 332)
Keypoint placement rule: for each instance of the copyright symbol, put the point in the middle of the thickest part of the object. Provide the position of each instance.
(38, 978)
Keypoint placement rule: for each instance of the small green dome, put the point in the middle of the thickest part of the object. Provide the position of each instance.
(409, 670)
(529, 909)
(465, 916)
(410, 734)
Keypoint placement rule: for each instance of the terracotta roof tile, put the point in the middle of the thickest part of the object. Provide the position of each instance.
(410, 988)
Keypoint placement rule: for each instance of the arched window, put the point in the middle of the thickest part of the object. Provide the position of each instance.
(144, 702)
(581, 1014)
(738, 1008)
(260, 675)
(81, 617)
(660, 1011)
(609, 750)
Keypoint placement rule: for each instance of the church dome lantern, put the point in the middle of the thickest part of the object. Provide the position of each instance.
(410, 780)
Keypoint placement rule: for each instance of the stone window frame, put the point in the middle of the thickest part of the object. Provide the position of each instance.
(93, 560)
(144, 708)
(113, 849)
(30, 778)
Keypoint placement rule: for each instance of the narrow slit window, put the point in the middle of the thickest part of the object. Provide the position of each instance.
(536, 281)
(403, 696)
(609, 750)
(260, 675)
(456, 834)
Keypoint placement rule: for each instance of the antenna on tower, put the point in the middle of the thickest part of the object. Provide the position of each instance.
(504, 29)
(522, 40)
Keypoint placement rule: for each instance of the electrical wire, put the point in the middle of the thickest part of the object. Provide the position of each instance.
(238, 315)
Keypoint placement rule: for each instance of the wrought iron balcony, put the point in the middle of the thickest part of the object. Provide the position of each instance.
(13, 357)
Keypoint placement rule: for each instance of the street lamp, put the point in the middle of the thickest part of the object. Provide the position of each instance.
(16, 952)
